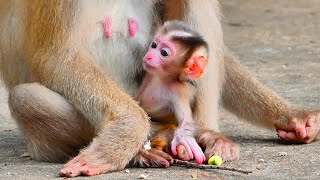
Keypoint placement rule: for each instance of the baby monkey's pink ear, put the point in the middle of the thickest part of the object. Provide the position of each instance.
(195, 67)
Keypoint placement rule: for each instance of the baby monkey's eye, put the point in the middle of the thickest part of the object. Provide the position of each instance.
(153, 45)
(164, 52)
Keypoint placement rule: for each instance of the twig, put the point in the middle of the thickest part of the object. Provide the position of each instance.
(202, 166)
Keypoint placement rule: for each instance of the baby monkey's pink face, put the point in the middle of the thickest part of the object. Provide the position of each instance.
(168, 55)
(162, 51)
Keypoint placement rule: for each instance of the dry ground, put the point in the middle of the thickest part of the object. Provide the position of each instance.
(278, 41)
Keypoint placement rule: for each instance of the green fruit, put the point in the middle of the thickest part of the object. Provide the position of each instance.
(215, 160)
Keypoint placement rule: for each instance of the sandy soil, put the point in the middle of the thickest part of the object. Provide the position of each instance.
(279, 42)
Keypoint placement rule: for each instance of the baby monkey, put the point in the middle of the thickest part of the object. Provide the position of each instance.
(174, 62)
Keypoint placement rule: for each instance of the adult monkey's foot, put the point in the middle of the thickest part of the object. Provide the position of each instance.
(84, 165)
(216, 144)
(96, 159)
(302, 128)
(80, 165)
(93, 161)
(106, 153)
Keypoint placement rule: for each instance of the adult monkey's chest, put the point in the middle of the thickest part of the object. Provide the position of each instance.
(113, 46)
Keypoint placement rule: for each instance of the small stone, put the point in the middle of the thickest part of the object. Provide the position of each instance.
(205, 174)
(143, 176)
(147, 146)
(282, 154)
(260, 160)
(127, 171)
(194, 176)
(284, 66)
(259, 166)
(25, 155)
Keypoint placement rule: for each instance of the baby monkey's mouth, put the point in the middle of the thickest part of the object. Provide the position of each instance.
(148, 67)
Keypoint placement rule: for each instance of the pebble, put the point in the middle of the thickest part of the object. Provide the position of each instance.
(284, 66)
(205, 174)
(259, 167)
(281, 154)
(25, 155)
(143, 176)
(127, 171)
(261, 160)
(194, 176)
(147, 146)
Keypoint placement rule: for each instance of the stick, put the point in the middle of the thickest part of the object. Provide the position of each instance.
(202, 166)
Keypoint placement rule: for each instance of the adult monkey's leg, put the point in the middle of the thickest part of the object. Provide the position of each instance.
(53, 130)
(203, 16)
(57, 60)
(250, 100)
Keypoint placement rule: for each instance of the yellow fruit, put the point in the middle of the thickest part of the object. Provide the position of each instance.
(215, 160)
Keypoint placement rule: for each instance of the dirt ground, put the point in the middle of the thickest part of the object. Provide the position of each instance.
(279, 42)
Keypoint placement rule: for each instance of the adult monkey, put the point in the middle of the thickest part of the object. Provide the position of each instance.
(60, 44)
